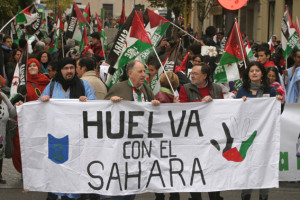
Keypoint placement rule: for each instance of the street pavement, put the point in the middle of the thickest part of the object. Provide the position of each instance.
(13, 189)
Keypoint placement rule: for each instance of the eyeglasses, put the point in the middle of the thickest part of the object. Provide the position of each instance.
(68, 68)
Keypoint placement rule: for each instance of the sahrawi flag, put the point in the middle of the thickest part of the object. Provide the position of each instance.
(229, 68)
(156, 26)
(87, 13)
(18, 87)
(289, 36)
(249, 51)
(76, 22)
(137, 40)
(31, 18)
(59, 31)
(297, 26)
(87, 16)
(101, 32)
(123, 17)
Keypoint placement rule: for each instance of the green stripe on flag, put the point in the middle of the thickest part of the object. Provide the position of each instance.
(227, 58)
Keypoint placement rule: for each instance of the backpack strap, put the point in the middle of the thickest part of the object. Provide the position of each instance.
(36, 89)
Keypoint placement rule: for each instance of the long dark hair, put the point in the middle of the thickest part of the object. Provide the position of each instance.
(12, 57)
(275, 70)
(264, 79)
(40, 55)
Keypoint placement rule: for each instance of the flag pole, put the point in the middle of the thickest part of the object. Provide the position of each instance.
(62, 44)
(242, 50)
(7, 23)
(102, 42)
(161, 65)
(187, 33)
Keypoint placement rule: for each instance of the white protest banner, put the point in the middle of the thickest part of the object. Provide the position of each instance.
(129, 148)
(289, 164)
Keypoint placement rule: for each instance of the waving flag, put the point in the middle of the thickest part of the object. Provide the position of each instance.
(87, 13)
(249, 51)
(128, 46)
(297, 26)
(123, 17)
(156, 26)
(18, 89)
(102, 33)
(84, 42)
(27, 16)
(289, 36)
(230, 67)
(59, 30)
(76, 21)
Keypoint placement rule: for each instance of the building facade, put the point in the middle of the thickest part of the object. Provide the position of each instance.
(259, 19)
(113, 8)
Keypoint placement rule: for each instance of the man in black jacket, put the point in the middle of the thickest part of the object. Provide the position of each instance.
(5, 53)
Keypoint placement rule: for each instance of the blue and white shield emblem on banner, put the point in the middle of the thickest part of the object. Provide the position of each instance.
(58, 149)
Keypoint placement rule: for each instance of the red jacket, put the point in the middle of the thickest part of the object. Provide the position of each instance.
(164, 97)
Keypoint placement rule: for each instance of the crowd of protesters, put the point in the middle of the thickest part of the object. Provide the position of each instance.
(70, 74)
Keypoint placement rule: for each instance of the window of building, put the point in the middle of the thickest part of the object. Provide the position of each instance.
(108, 10)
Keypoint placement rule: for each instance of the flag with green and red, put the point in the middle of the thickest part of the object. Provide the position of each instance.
(135, 42)
(231, 66)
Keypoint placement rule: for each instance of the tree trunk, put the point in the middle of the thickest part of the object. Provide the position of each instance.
(199, 30)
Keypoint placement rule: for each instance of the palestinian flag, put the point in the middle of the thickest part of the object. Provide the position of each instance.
(76, 21)
(156, 26)
(289, 36)
(18, 88)
(129, 47)
(249, 51)
(102, 33)
(123, 17)
(231, 66)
